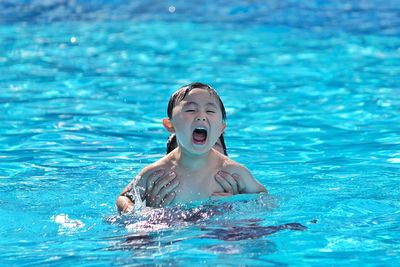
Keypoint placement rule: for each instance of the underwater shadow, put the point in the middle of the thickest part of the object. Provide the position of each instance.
(251, 231)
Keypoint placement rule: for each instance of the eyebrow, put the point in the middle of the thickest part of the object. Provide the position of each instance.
(194, 103)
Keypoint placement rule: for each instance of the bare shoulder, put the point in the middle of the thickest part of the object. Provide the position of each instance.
(235, 167)
(144, 174)
(252, 185)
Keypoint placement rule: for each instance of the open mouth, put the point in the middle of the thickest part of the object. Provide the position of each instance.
(199, 136)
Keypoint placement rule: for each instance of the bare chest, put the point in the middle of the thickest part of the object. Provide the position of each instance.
(196, 186)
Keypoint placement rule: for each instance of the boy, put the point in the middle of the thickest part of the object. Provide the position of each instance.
(196, 115)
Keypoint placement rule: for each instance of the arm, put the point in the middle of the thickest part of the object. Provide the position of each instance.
(156, 188)
(125, 201)
(249, 183)
(124, 204)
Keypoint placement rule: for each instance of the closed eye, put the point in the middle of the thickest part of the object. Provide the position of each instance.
(189, 110)
(211, 111)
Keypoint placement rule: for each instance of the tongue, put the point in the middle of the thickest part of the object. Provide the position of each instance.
(199, 137)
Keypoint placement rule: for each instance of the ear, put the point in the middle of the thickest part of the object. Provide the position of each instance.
(168, 125)
(223, 127)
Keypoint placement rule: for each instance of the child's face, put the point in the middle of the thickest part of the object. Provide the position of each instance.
(197, 121)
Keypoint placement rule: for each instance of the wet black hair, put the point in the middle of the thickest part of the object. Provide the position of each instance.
(182, 92)
(178, 96)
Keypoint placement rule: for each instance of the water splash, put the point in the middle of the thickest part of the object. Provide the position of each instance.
(66, 224)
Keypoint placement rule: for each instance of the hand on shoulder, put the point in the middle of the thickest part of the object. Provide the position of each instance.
(245, 180)
(159, 183)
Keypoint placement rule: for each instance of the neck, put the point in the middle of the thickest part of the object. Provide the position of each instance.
(192, 162)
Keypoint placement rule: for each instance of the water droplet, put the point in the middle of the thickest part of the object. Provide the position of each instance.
(171, 9)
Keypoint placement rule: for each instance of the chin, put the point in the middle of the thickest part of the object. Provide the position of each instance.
(200, 149)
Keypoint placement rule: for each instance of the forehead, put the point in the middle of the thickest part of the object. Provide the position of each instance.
(198, 95)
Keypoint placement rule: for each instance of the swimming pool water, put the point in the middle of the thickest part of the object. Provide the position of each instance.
(312, 98)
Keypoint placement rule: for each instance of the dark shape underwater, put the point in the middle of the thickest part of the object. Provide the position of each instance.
(235, 233)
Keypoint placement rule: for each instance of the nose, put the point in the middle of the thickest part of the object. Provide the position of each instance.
(200, 118)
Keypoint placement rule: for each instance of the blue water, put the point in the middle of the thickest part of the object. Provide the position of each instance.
(312, 97)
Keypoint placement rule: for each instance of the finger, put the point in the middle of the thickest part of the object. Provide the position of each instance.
(221, 194)
(228, 177)
(225, 185)
(151, 181)
(168, 188)
(240, 182)
(160, 183)
(168, 199)
(153, 178)
(154, 194)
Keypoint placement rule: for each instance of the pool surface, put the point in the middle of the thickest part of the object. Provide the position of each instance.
(312, 91)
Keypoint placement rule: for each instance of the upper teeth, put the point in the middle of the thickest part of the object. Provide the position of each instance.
(201, 128)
